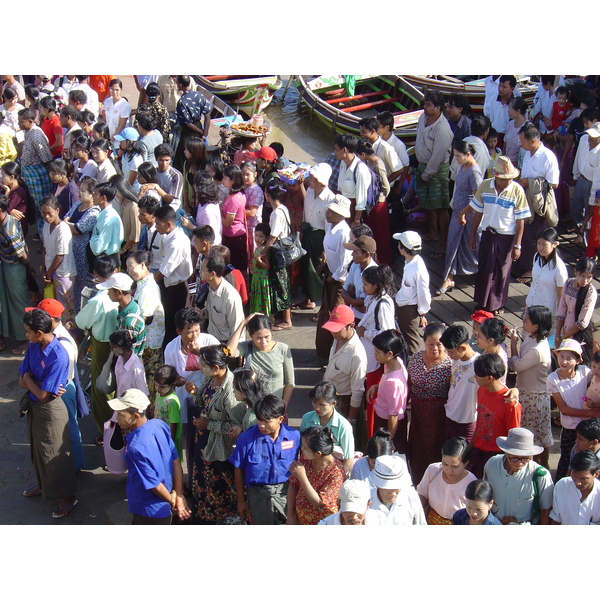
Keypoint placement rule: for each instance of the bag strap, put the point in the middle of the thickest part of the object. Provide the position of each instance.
(535, 511)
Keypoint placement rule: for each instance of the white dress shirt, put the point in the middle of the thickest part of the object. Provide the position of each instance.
(414, 289)
(567, 507)
(543, 163)
(336, 255)
(355, 188)
(176, 265)
(315, 207)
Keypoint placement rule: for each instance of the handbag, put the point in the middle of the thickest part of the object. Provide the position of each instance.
(49, 291)
(106, 382)
(540, 196)
(114, 447)
(287, 250)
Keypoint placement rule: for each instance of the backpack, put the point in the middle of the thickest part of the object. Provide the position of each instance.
(374, 187)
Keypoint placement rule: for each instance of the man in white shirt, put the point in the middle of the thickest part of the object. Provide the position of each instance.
(175, 267)
(543, 101)
(68, 121)
(363, 248)
(336, 268)
(92, 100)
(354, 178)
(498, 93)
(539, 172)
(223, 307)
(369, 127)
(317, 199)
(576, 499)
(385, 129)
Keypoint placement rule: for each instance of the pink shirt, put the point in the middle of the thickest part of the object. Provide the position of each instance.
(392, 394)
(130, 374)
(235, 204)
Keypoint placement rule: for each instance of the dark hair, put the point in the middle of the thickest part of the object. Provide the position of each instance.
(49, 103)
(232, 520)
(585, 460)
(14, 170)
(205, 188)
(148, 172)
(70, 112)
(512, 80)
(454, 336)
(101, 143)
(145, 120)
(433, 329)
(248, 383)
(184, 80)
(38, 320)
(218, 166)
(104, 265)
(134, 148)
(33, 92)
(122, 338)
(480, 491)
(107, 189)
(258, 322)
(123, 187)
(460, 101)
(27, 114)
(78, 95)
(141, 257)
(102, 128)
(166, 213)
(62, 167)
(347, 141)
(408, 251)
(89, 184)
(9, 94)
(319, 439)
(365, 148)
(149, 203)
(435, 97)
(479, 125)
(215, 263)
(275, 190)
(489, 365)
(493, 328)
(250, 165)
(542, 317)
(204, 233)
(83, 142)
(235, 174)
(380, 444)
(163, 150)
(530, 132)
(165, 375)
(214, 356)
(382, 277)
(152, 89)
(269, 407)
(51, 201)
(324, 391)
(115, 82)
(463, 147)
(391, 340)
(369, 123)
(86, 116)
(518, 104)
(187, 316)
(589, 428)
(590, 114)
(264, 229)
(386, 119)
(456, 447)
(361, 229)
(226, 254)
(492, 133)
(278, 147)
(583, 265)
(550, 235)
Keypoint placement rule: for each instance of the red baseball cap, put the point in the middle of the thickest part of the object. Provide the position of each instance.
(340, 317)
(267, 153)
(481, 315)
(53, 307)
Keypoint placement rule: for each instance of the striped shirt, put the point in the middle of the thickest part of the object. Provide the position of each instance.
(12, 241)
(500, 211)
(131, 318)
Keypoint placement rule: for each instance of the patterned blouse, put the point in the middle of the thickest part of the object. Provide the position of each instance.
(35, 148)
(327, 484)
(428, 383)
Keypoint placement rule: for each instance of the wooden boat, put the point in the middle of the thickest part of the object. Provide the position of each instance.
(247, 93)
(220, 112)
(328, 100)
(472, 86)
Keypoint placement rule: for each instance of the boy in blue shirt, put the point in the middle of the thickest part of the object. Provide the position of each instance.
(262, 459)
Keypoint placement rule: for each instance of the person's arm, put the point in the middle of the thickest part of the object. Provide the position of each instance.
(27, 382)
(474, 226)
(122, 124)
(565, 409)
(287, 394)
(55, 264)
(228, 219)
(291, 505)
(392, 424)
(242, 504)
(519, 227)
(312, 495)
(234, 340)
(358, 372)
(441, 144)
(58, 140)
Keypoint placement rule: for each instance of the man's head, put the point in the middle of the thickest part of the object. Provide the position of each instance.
(163, 153)
(104, 194)
(355, 499)
(26, 118)
(341, 323)
(270, 411)
(385, 120)
(145, 122)
(130, 407)
(433, 103)
(119, 286)
(68, 116)
(506, 86)
(203, 238)
(588, 434)
(488, 368)
(368, 129)
(547, 82)
(585, 468)
(456, 341)
(530, 137)
(38, 324)
(183, 82)
(147, 207)
(213, 267)
(104, 267)
(77, 99)
(187, 324)
(344, 146)
(53, 307)
(165, 219)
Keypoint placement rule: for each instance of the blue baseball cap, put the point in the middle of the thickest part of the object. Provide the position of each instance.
(129, 133)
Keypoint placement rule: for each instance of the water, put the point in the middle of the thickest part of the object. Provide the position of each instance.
(303, 139)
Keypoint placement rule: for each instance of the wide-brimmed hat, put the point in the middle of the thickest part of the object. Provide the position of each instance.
(519, 442)
(131, 398)
(364, 243)
(341, 316)
(354, 496)
(571, 345)
(53, 307)
(322, 173)
(340, 205)
(409, 239)
(504, 169)
(390, 473)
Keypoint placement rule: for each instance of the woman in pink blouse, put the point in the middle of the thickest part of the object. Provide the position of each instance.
(233, 217)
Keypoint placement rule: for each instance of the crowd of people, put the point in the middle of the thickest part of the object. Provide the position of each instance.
(168, 264)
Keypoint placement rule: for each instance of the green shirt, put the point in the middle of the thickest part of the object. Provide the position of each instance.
(131, 318)
(168, 409)
(339, 426)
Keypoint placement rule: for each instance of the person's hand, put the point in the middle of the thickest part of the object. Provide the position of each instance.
(147, 187)
(47, 279)
(248, 318)
(243, 509)
(360, 331)
(515, 254)
(33, 274)
(234, 432)
(330, 279)
(298, 470)
(180, 381)
(352, 290)
(514, 335)
(512, 395)
(17, 214)
(372, 391)
(472, 245)
(426, 182)
(422, 321)
(181, 508)
(193, 347)
(201, 423)
(190, 387)
(5, 189)
(462, 218)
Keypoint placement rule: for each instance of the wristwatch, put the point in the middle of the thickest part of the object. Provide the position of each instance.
(517, 246)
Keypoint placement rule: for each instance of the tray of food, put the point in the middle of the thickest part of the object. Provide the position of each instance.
(292, 173)
(248, 129)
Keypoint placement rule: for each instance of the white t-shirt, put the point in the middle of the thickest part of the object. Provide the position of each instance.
(572, 392)
(59, 242)
(113, 113)
(567, 507)
(209, 214)
(544, 281)
(371, 518)
(461, 406)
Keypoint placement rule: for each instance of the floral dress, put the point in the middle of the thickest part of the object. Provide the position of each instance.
(327, 483)
(260, 288)
(428, 392)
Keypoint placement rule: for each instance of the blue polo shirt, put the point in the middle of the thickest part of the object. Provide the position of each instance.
(49, 367)
(461, 517)
(150, 455)
(263, 460)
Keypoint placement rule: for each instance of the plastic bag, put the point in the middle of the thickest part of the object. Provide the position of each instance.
(192, 362)
(49, 291)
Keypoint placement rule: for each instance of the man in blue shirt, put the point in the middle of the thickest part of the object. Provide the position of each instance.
(155, 477)
(44, 373)
(262, 459)
(107, 235)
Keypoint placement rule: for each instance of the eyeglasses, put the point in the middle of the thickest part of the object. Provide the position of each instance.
(518, 459)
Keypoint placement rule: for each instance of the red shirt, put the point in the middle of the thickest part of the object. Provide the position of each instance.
(51, 127)
(494, 418)
(240, 285)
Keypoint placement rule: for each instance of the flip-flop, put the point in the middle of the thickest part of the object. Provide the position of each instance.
(315, 319)
(68, 509)
(304, 306)
(441, 291)
(525, 280)
(281, 328)
(19, 351)
(498, 311)
(32, 491)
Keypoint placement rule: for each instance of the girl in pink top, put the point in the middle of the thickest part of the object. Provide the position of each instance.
(233, 217)
(390, 396)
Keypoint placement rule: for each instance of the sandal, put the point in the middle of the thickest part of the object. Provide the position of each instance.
(60, 512)
(441, 291)
(301, 306)
(498, 311)
(315, 318)
(281, 327)
(32, 491)
(21, 351)
(99, 441)
(525, 280)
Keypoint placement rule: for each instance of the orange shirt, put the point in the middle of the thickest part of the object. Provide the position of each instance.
(494, 418)
(99, 83)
